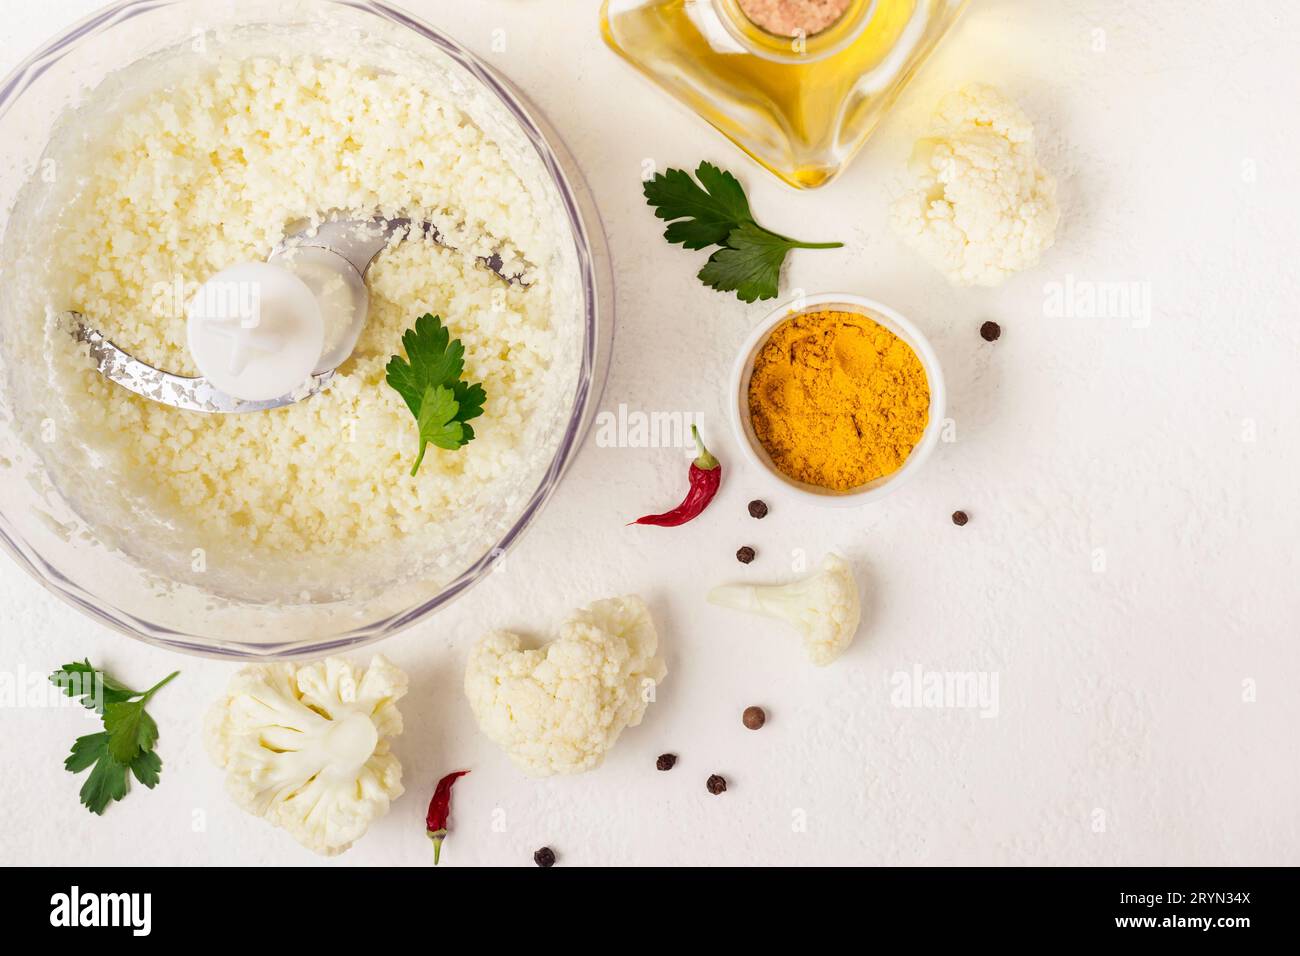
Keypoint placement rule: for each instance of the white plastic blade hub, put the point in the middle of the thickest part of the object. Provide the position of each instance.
(255, 331)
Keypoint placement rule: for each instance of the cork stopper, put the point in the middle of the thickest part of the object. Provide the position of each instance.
(792, 18)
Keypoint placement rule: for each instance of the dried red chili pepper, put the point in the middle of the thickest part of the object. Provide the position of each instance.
(435, 822)
(705, 477)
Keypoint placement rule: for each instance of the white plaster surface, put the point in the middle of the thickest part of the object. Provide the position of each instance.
(1166, 450)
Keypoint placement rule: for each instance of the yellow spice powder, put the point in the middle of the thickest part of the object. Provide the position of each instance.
(837, 400)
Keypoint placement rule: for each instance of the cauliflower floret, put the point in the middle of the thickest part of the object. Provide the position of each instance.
(823, 607)
(306, 747)
(980, 207)
(560, 708)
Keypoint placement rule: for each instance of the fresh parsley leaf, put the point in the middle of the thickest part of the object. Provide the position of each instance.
(130, 730)
(428, 380)
(147, 768)
(471, 399)
(437, 422)
(85, 751)
(108, 779)
(433, 359)
(715, 212)
(95, 688)
(749, 265)
(124, 746)
(707, 212)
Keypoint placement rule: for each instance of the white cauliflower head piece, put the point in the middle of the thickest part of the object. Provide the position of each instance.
(560, 708)
(979, 207)
(306, 747)
(823, 607)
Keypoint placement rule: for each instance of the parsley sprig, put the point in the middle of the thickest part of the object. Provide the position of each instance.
(429, 381)
(124, 748)
(715, 212)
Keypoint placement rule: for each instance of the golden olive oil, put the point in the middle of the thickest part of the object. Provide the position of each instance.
(801, 105)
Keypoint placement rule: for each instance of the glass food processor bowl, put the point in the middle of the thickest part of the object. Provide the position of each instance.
(138, 575)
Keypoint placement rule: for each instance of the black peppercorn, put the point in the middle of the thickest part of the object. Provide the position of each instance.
(666, 762)
(990, 331)
(959, 518)
(758, 508)
(716, 785)
(544, 857)
(745, 555)
(754, 717)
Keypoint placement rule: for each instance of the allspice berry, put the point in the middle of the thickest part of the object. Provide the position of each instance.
(959, 518)
(990, 331)
(754, 717)
(716, 785)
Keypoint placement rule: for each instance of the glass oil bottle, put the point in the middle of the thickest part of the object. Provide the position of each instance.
(797, 84)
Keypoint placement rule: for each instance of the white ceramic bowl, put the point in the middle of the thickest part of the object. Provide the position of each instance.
(883, 315)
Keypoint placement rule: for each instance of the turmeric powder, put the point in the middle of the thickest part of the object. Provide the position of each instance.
(837, 400)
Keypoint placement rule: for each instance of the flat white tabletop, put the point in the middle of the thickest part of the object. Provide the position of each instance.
(1129, 573)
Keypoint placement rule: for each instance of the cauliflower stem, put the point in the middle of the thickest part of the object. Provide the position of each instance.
(823, 607)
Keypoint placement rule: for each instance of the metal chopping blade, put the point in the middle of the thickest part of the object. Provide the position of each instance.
(190, 394)
(356, 242)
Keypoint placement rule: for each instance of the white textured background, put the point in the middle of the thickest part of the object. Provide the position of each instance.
(1121, 691)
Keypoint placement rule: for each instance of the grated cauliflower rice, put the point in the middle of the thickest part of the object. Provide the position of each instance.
(208, 172)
